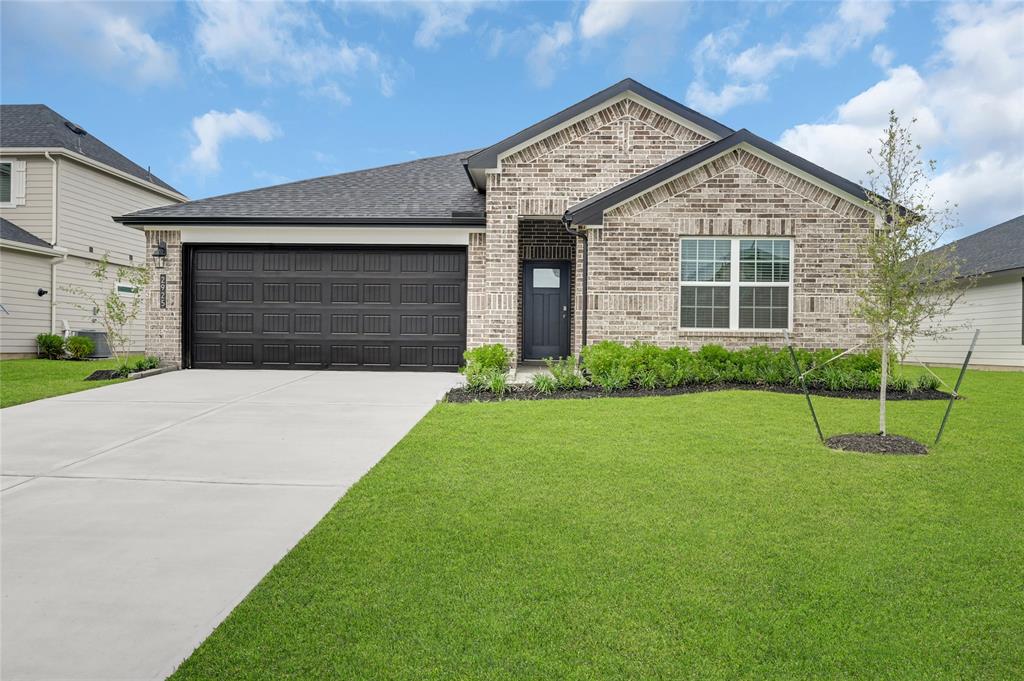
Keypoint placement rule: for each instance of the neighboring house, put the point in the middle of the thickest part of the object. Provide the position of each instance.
(994, 305)
(59, 187)
(684, 232)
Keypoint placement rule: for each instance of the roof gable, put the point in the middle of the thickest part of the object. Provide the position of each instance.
(37, 126)
(478, 163)
(591, 211)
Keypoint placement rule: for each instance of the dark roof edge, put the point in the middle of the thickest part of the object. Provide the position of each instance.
(486, 158)
(454, 221)
(591, 211)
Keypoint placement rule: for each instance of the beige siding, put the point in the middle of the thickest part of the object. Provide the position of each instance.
(21, 275)
(994, 307)
(87, 200)
(36, 214)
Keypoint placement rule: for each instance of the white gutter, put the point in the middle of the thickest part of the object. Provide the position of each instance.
(58, 252)
(53, 242)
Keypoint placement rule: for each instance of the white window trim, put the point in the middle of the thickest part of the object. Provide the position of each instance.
(734, 285)
(17, 183)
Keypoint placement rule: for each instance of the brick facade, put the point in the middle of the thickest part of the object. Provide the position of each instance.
(163, 324)
(634, 257)
(542, 180)
(545, 239)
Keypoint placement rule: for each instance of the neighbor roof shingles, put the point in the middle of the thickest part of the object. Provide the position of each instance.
(37, 126)
(995, 249)
(432, 188)
(11, 232)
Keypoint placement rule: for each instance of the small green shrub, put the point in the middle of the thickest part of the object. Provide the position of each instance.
(928, 382)
(566, 374)
(494, 356)
(497, 382)
(146, 363)
(125, 369)
(607, 364)
(544, 383)
(899, 383)
(80, 347)
(50, 345)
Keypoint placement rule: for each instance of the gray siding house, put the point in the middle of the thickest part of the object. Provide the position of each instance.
(625, 216)
(59, 188)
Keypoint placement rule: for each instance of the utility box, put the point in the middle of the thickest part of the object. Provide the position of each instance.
(100, 339)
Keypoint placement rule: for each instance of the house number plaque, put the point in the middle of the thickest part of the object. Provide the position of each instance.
(163, 291)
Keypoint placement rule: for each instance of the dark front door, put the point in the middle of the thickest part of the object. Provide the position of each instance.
(327, 307)
(545, 309)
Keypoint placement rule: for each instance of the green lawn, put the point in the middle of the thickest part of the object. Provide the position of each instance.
(698, 536)
(25, 380)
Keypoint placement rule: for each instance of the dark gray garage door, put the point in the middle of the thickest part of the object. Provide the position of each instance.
(267, 307)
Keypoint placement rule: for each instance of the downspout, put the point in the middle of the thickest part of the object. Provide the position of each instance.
(582, 234)
(53, 242)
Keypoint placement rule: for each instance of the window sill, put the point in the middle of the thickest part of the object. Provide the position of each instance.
(735, 332)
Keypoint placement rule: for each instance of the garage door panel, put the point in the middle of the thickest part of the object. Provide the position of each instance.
(329, 307)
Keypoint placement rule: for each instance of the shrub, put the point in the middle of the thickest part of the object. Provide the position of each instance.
(607, 364)
(928, 382)
(146, 363)
(566, 374)
(643, 363)
(899, 383)
(544, 383)
(676, 367)
(124, 369)
(488, 357)
(80, 347)
(51, 346)
(497, 382)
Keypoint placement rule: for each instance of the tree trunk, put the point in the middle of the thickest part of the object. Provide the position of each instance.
(885, 385)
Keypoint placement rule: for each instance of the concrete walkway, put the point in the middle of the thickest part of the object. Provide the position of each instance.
(136, 516)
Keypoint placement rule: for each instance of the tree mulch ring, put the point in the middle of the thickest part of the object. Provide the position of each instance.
(528, 392)
(874, 443)
(103, 375)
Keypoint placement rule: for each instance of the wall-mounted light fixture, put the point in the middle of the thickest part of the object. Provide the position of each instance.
(160, 254)
(41, 292)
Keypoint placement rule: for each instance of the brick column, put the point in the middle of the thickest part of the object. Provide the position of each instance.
(163, 299)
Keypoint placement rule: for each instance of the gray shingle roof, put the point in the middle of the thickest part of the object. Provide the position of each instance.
(11, 232)
(36, 126)
(428, 190)
(995, 249)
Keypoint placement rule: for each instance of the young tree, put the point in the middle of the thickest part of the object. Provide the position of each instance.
(910, 285)
(116, 310)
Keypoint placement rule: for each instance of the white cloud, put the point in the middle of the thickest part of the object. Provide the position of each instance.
(546, 54)
(967, 111)
(270, 42)
(602, 17)
(214, 128)
(853, 23)
(109, 39)
(441, 20)
(714, 103)
(882, 56)
(333, 92)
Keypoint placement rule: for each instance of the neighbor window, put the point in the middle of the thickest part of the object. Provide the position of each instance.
(5, 181)
(125, 289)
(734, 283)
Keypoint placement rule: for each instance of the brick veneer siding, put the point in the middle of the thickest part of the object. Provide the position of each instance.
(634, 257)
(476, 289)
(163, 325)
(614, 144)
(545, 239)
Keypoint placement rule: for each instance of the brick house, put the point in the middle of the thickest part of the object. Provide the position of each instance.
(625, 216)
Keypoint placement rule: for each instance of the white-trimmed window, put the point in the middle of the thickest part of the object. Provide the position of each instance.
(735, 283)
(12, 182)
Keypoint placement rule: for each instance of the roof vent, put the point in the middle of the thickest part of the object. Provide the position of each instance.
(77, 129)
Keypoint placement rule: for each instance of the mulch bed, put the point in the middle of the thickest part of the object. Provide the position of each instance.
(103, 375)
(462, 395)
(873, 443)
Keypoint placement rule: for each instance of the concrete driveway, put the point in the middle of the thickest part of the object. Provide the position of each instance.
(136, 516)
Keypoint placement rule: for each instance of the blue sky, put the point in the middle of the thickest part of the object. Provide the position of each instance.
(224, 96)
